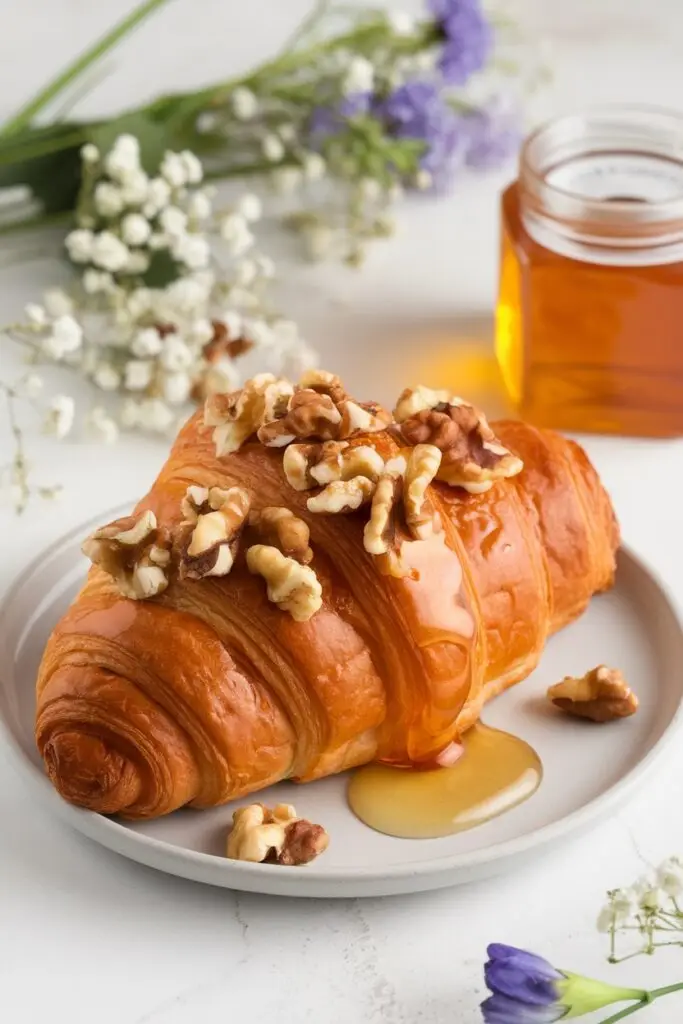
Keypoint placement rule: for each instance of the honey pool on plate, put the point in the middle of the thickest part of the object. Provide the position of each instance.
(496, 772)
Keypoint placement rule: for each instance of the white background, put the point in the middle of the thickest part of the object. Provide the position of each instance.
(86, 936)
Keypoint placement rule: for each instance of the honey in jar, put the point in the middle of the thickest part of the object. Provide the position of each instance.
(589, 326)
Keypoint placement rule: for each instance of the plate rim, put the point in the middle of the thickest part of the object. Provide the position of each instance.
(212, 869)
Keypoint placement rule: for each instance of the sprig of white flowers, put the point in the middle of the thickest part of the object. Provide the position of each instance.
(650, 911)
(157, 317)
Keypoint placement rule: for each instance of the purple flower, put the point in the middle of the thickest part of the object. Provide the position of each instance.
(416, 110)
(467, 37)
(529, 990)
(330, 120)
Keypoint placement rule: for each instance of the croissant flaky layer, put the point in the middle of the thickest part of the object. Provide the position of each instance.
(210, 690)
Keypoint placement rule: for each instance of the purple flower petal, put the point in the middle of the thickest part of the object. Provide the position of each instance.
(467, 43)
(442, 9)
(330, 120)
(498, 1009)
(494, 135)
(417, 110)
(508, 978)
(524, 960)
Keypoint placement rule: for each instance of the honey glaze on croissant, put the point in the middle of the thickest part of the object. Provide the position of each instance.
(311, 584)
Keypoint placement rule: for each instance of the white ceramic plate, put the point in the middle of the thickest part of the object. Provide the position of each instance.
(588, 770)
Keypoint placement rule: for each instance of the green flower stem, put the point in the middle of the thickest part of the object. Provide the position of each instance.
(26, 114)
(656, 993)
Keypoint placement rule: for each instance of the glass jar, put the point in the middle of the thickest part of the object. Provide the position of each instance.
(589, 326)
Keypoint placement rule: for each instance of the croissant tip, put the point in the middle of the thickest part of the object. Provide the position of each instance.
(87, 772)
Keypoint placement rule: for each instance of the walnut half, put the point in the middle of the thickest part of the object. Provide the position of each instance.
(235, 417)
(133, 553)
(422, 518)
(277, 836)
(601, 695)
(293, 587)
(214, 519)
(280, 528)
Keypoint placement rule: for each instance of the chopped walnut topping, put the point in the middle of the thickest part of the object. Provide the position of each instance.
(379, 533)
(279, 837)
(414, 400)
(294, 587)
(601, 695)
(421, 516)
(363, 460)
(363, 418)
(235, 417)
(309, 416)
(217, 518)
(325, 383)
(342, 496)
(472, 456)
(133, 552)
(299, 460)
(280, 528)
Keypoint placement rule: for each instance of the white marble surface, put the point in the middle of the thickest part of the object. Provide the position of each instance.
(86, 936)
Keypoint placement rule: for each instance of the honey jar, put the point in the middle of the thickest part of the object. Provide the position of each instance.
(589, 325)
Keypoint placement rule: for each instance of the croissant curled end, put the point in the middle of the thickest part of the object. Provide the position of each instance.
(86, 772)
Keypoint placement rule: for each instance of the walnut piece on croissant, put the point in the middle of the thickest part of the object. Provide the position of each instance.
(415, 400)
(342, 496)
(309, 415)
(211, 544)
(131, 551)
(235, 417)
(601, 695)
(378, 536)
(293, 587)
(421, 516)
(279, 527)
(276, 836)
(325, 383)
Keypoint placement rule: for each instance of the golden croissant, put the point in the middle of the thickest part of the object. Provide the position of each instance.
(312, 584)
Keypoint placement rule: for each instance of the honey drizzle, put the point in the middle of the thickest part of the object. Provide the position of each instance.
(496, 772)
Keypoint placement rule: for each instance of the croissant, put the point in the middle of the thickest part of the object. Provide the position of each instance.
(312, 584)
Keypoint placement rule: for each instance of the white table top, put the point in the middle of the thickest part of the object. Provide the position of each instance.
(86, 936)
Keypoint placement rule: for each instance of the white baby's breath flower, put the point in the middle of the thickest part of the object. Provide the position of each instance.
(287, 179)
(234, 324)
(369, 189)
(129, 414)
(244, 103)
(186, 295)
(652, 899)
(106, 377)
(192, 250)
(287, 132)
(100, 426)
(258, 332)
(360, 76)
(395, 192)
(35, 314)
(235, 230)
(670, 877)
(155, 415)
(57, 302)
(95, 281)
(139, 301)
(123, 158)
(246, 272)
(135, 229)
(173, 221)
(158, 241)
(285, 332)
(90, 154)
(109, 252)
(147, 342)
(193, 167)
(201, 331)
(242, 298)
(135, 188)
(138, 374)
(175, 354)
(108, 199)
(265, 266)
(31, 385)
(66, 336)
(79, 245)
(207, 122)
(137, 263)
(221, 376)
(199, 206)
(318, 239)
(250, 207)
(59, 417)
(314, 166)
(272, 148)
(174, 170)
(176, 387)
(401, 23)
(158, 196)
(423, 180)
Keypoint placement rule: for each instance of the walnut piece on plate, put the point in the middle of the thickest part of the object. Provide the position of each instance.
(601, 695)
(215, 519)
(279, 527)
(293, 587)
(472, 456)
(132, 551)
(276, 836)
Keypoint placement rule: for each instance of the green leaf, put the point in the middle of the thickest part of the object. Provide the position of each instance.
(163, 270)
(54, 179)
(150, 134)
